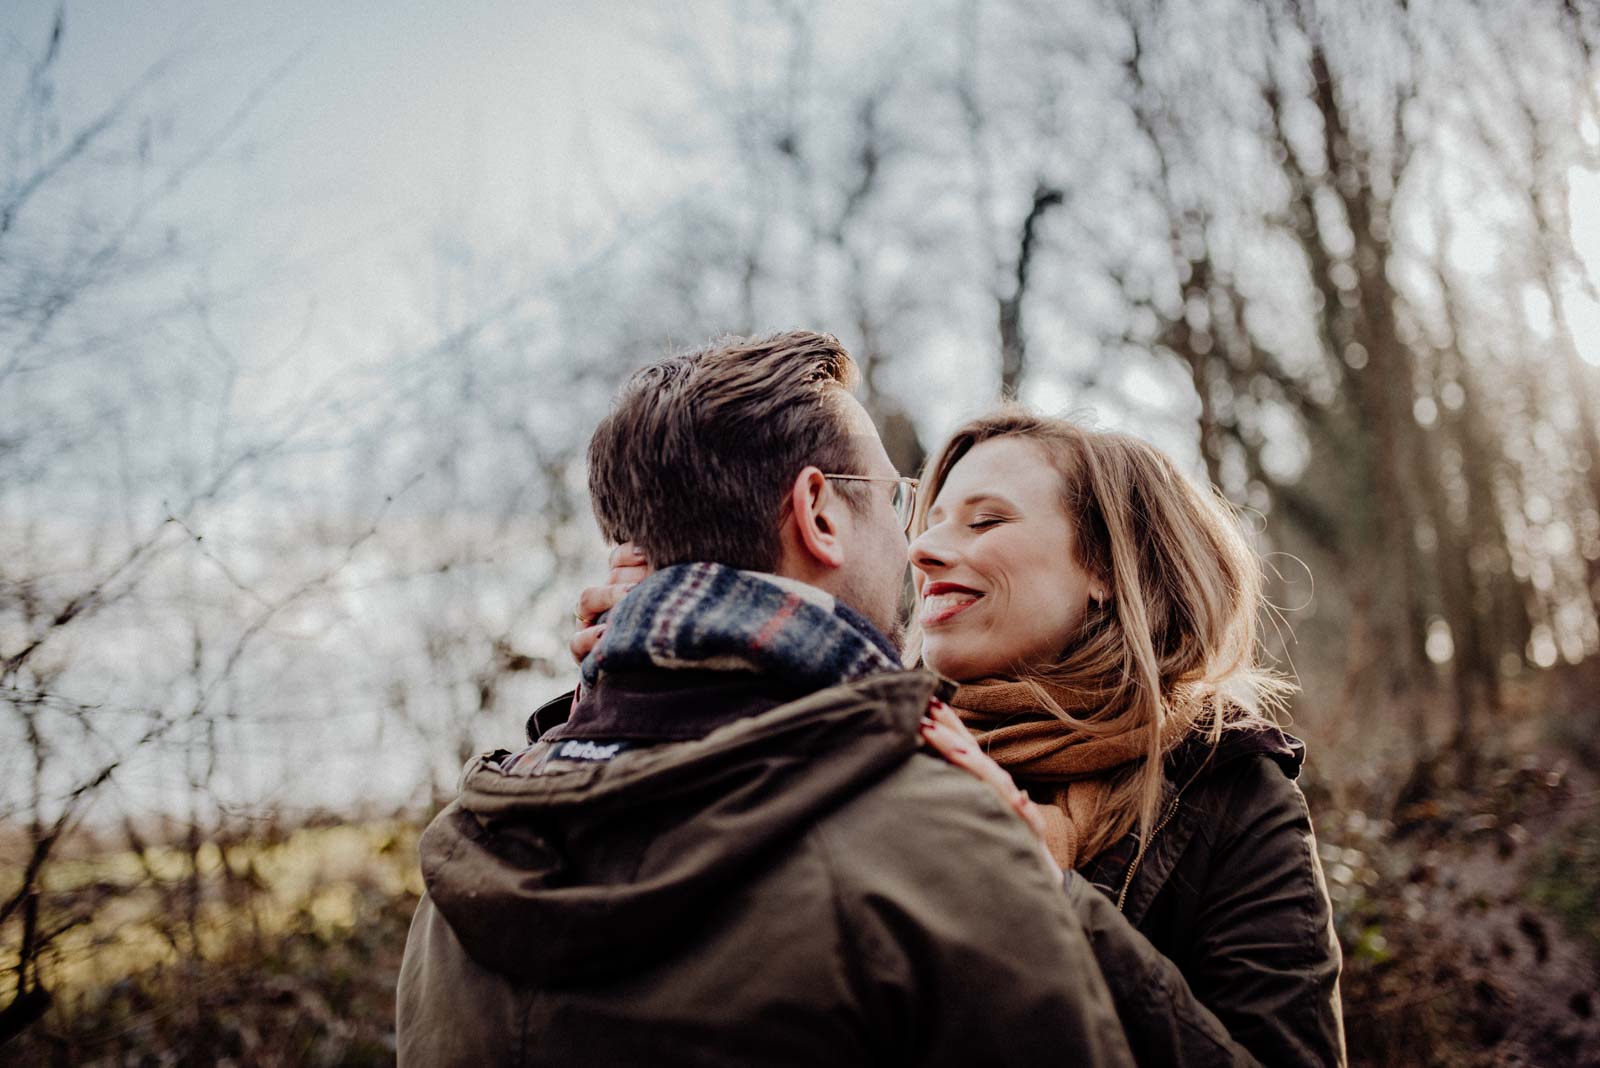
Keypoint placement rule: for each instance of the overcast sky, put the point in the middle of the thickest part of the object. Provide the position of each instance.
(379, 124)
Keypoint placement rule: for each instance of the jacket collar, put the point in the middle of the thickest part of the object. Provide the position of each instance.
(1197, 755)
(667, 706)
(664, 705)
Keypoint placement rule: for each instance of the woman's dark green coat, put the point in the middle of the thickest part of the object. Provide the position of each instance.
(1217, 939)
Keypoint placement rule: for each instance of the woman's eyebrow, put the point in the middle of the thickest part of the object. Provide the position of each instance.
(985, 497)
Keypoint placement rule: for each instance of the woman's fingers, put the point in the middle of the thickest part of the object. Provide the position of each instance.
(628, 569)
(965, 755)
(627, 555)
(944, 731)
(949, 717)
(583, 642)
(948, 744)
(628, 566)
(595, 600)
(628, 577)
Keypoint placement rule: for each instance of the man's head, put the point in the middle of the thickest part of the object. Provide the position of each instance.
(722, 454)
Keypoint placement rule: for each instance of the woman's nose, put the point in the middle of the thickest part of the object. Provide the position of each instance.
(929, 551)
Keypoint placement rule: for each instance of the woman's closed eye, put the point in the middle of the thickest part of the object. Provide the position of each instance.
(984, 522)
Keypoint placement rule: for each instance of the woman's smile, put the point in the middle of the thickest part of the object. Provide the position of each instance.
(944, 601)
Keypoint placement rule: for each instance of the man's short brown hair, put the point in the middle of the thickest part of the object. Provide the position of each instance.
(695, 459)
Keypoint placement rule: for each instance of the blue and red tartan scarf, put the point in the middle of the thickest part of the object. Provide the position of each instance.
(717, 618)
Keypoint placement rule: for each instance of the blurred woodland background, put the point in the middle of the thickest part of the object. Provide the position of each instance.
(292, 516)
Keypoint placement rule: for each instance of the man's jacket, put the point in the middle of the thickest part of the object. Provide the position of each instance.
(699, 871)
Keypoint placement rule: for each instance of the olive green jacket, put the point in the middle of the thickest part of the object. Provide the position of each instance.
(798, 885)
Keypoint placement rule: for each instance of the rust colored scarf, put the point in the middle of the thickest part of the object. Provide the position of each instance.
(1038, 749)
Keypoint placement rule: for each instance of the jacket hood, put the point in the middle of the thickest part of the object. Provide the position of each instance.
(596, 868)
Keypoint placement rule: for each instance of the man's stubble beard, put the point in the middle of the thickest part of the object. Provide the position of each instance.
(884, 604)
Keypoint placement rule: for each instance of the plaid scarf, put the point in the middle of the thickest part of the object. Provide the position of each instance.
(711, 617)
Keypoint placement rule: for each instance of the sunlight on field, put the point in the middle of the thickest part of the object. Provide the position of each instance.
(151, 915)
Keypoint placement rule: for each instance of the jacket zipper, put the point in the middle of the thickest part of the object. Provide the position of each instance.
(1133, 869)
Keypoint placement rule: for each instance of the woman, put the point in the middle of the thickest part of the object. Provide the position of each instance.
(1099, 611)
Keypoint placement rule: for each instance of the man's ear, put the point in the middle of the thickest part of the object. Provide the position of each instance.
(815, 512)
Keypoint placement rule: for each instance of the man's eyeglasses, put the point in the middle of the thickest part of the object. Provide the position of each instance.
(904, 498)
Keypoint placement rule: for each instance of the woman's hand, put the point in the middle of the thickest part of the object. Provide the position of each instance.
(628, 569)
(943, 730)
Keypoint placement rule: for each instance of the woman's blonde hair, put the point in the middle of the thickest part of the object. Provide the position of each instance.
(1174, 642)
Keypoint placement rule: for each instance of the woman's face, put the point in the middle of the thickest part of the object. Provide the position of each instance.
(998, 585)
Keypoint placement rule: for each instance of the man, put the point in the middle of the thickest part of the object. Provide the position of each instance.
(733, 853)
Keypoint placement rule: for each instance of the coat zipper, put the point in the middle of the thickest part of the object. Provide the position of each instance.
(1172, 810)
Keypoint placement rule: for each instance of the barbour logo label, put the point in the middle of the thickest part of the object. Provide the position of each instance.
(587, 751)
